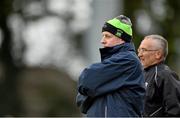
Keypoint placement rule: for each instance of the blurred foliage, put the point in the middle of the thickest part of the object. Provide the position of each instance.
(30, 91)
(10, 103)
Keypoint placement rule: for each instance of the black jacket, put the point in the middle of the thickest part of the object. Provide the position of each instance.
(162, 92)
(114, 87)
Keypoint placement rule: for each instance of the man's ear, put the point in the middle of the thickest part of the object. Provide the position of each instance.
(159, 54)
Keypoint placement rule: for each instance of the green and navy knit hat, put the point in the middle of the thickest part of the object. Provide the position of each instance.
(120, 26)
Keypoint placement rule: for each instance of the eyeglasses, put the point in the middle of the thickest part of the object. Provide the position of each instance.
(144, 50)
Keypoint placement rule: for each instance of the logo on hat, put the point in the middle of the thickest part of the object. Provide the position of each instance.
(119, 33)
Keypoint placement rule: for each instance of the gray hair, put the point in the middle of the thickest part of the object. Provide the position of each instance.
(162, 41)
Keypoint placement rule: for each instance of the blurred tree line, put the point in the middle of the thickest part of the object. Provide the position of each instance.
(29, 91)
(37, 91)
(9, 101)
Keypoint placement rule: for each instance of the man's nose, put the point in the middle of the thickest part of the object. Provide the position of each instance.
(139, 54)
(102, 40)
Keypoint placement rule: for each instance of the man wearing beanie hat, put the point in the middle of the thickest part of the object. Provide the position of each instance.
(113, 87)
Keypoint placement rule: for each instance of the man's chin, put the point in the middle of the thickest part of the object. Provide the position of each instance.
(107, 46)
(143, 64)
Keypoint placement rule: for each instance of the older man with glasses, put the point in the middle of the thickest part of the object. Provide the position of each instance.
(162, 84)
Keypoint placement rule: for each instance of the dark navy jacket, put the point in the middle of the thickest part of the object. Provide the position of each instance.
(114, 87)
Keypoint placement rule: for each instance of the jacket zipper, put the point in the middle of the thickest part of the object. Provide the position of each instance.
(105, 111)
(155, 111)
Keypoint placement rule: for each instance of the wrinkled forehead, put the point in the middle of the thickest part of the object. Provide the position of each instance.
(149, 43)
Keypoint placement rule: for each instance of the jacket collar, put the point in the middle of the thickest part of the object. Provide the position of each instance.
(153, 66)
(109, 51)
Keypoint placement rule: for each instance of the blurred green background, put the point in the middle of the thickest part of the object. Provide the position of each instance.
(45, 44)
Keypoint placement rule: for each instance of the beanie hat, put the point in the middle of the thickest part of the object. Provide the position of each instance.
(120, 27)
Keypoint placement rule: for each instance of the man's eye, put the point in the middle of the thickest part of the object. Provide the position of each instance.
(108, 36)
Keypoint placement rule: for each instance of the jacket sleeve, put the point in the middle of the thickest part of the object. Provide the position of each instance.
(108, 76)
(171, 94)
(83, 102)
